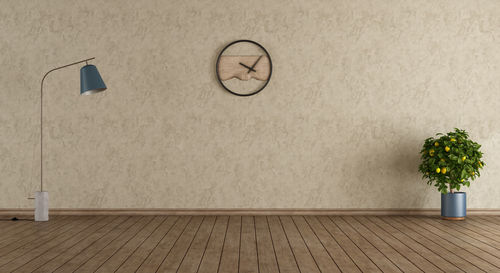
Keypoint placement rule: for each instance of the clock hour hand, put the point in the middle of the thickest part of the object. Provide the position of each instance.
(249, 68)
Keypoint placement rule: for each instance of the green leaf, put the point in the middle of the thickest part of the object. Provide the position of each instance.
(457, 169)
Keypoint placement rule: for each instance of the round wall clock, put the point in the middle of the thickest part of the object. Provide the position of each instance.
(244, 68)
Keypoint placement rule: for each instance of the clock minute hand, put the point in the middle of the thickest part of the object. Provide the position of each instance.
(254, 64)
(248, 67)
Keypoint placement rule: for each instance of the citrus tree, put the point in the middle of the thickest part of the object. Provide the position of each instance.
(450, 161)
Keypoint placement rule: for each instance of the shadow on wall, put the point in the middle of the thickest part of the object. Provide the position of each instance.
(406, 162)
(389, 170)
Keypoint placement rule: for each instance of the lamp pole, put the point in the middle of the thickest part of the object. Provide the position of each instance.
(41, 114)
(91, 82)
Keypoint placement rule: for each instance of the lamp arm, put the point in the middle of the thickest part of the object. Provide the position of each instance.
(41, 114)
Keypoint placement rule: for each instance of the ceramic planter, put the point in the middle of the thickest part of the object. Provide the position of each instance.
(453, 206)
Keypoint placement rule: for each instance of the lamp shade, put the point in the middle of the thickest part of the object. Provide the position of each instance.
(90, 80)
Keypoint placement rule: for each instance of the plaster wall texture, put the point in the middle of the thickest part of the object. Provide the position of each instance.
(356, 88)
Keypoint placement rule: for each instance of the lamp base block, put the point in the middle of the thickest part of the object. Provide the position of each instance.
(41, 206)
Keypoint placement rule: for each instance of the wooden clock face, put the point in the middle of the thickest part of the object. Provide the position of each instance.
(244, 68)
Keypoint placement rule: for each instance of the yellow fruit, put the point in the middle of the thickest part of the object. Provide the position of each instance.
(426, 173)
(431, 152)
(436, 144)
(443, 170)
(442, 160)
(462, 180)
(480, 164)
(447, 148)
(463, 158)
(452, 140)
(438, 170)
(473, 173)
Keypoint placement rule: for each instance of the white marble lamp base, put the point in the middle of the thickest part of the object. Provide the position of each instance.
(41, 206)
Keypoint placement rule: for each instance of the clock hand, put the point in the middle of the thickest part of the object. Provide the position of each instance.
(248, 67)
(254, 64)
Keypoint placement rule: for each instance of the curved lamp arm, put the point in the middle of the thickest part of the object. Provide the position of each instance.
(41, 114)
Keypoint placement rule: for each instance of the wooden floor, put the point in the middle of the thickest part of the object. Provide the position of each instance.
(250, 244)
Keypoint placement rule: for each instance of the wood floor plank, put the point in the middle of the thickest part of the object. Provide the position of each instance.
(471, 227)
(127, 249)
(387, 250)
(461, 249)
(194, 254)
(248, 250)
(373, 253)
(413, 256)
(261, 244)
(211, 258)
(140, 254)
(461, 241)
(34, 252)
(231, 251)
(416, 245)
(178, 252)
(62, 258)
(492, 236)
(358, 256)
(284, 254)
(482, 225)
(102, 256)
(470, 234)
(324, 261)
(434, 245)
(82, 257)
(16, 232)
(303, 256)
(64, 246)
(156, 257)
(341, 258)
(7, 223)
(482, 220)
(268, 262)
(10, 228)
(17, 249)
(36, 231)
(491, 219)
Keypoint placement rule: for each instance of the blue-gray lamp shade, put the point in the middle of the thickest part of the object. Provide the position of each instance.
(90, 80)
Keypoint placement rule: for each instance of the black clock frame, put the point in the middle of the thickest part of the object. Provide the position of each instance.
(270, 68)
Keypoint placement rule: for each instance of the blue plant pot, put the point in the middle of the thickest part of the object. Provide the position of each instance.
(454, 206)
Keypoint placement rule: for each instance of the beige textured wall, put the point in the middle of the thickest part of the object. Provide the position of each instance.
(357, 86)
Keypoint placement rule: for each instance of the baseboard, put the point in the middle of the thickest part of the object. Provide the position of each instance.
(381, 212)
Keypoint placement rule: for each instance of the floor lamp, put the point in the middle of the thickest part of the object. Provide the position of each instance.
(90, 83)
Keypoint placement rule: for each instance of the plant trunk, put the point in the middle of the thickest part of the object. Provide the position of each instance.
(451, 190)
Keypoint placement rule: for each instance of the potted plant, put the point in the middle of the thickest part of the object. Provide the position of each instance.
(450, 162)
